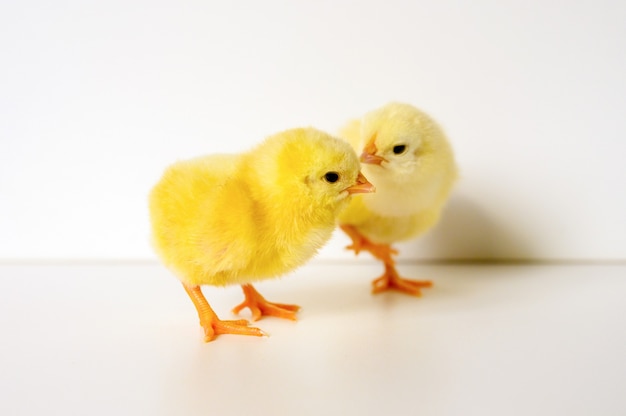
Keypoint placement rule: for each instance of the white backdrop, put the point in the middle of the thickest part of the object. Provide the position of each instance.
(96, 99)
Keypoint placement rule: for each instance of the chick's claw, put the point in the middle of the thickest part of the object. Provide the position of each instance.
(358, 241)
(382, 252)
(391, 280)
(214, 327)
(259, 306)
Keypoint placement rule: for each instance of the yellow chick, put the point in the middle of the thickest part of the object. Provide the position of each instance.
(408, 158)
(235, 219)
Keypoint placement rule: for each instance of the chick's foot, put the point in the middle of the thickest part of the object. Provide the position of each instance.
(382, 252)
(392, 280)
(259, 306)
(212, 325)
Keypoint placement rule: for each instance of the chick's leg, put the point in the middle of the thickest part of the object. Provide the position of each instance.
(211, 324)
(259, 306)
(383, 252)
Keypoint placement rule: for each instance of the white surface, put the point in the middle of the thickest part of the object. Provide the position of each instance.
(96, 98)
(486, 340)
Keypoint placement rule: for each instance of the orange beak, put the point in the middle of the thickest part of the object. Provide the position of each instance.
(369, 154)
(362, 186)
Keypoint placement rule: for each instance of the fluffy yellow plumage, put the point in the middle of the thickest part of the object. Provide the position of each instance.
(235, 219)
(408, 158)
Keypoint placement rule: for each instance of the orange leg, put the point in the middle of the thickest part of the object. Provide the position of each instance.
(211, 324)
(259, 306)
(383, 252)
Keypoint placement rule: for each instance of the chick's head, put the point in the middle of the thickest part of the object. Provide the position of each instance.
(399, 139)
(309, 168)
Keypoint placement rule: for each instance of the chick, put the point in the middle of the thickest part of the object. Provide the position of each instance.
(235, 219)
(408, 158)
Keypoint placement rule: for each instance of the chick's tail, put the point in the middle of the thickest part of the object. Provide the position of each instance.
(390, 279)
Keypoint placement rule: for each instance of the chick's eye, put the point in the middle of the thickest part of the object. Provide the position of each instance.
(399, 149)
(331, 177)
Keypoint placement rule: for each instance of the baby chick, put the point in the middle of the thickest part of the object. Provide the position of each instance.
(235, 219)
(409, 160)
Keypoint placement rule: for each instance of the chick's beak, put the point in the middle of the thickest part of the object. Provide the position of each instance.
(362, 186)
(369, 155)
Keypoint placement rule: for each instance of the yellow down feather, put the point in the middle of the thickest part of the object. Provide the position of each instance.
(226, 219)
(411, 187)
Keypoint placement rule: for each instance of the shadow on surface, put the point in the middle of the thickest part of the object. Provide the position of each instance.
(467, 232)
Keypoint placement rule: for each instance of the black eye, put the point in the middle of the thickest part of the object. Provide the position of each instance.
(399, 149)
(331, 177)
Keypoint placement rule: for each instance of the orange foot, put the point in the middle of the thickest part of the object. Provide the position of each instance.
(259, 306)
(212, 325)
(382, 252)
(392, 280)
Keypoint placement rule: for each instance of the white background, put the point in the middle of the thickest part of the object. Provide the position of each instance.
(96, 98)
(487, 340)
